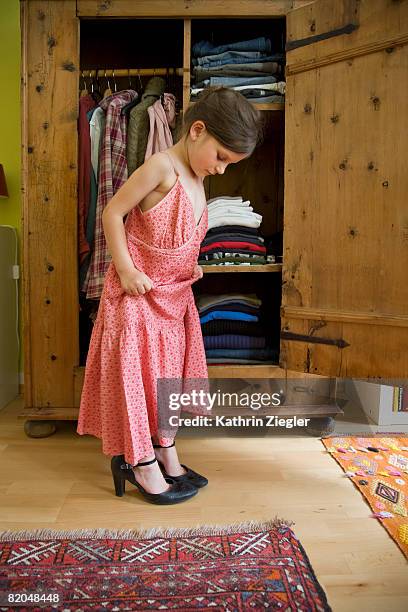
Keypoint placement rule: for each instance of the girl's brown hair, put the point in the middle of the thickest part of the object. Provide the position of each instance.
(228, 117)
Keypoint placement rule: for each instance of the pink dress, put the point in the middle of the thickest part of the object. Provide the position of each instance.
(137, 339)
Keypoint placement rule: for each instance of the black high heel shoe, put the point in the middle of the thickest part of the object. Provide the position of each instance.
(122, 471)
(190, 476)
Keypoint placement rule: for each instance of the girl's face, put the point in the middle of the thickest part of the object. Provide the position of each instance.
(206, 155)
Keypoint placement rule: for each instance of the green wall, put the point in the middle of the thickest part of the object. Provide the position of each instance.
(10, 130)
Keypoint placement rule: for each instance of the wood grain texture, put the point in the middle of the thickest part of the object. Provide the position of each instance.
(50, 92)
(320, 17)
(186, 8)
(379, 23)
(186, 63)
(345, 242)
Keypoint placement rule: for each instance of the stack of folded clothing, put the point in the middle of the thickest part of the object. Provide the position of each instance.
(232, 329)
(247, 66)
(232, 237)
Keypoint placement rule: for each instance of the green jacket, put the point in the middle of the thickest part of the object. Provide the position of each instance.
(139, 124)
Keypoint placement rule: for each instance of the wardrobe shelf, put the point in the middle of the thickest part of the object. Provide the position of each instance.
(261, 106)
(233, 370)
(272, 267)
(269, 107)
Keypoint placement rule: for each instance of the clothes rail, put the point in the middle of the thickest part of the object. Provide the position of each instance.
(133, 72)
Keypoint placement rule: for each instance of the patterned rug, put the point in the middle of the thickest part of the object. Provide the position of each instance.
(378, 466)
(250, 566)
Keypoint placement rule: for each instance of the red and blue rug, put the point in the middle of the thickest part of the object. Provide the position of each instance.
(250, 566)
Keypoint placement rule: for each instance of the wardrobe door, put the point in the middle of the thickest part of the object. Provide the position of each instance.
(50, 60)
(345, 289)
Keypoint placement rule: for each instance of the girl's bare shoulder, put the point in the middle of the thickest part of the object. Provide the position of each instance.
(161, 165)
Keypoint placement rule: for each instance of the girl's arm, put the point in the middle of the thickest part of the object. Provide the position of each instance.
(142, 182)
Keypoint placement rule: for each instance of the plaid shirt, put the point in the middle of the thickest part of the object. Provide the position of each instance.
(112, 175)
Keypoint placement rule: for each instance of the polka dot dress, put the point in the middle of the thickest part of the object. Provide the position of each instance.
(138, 339)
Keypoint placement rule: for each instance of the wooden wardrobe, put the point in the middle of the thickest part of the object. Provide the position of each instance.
(331, 173)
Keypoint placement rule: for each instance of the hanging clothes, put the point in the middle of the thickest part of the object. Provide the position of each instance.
(97, 128)
(162, 117)
(112, 175)
(96, 118)
(138, 127)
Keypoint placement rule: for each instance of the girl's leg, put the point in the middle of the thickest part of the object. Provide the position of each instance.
(169, 458)
(150, 476)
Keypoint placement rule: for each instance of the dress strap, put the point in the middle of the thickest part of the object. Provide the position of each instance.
(172, 162)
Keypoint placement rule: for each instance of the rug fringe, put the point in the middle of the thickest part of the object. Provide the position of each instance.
(146, 534)
(369, 434)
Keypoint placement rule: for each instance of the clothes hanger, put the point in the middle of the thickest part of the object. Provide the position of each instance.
(95, 93)
(128, 107)
(171, 88)
(84, 91)
(108, 91)
(140, 81)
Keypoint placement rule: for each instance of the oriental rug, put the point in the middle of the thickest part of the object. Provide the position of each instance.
(249, 566)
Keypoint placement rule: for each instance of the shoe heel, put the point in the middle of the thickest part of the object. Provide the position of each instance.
(119, 483)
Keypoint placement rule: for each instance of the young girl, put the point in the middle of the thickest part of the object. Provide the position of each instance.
(148, 325)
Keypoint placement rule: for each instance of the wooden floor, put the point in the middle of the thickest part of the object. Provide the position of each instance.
(64, 482)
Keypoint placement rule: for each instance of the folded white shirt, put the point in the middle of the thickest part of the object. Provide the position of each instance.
(228, 204)
(228, 198)
(225, 210)
(246, 221)
(244, 215)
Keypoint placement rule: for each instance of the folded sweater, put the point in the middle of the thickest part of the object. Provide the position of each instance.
(220, 327)
(248, 246)
(209, 299)
(232, 228)
(234, 341)
(250, 353)
(228, 314)
(228, 237)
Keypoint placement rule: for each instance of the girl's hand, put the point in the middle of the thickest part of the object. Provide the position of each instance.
(135, 282)
(199, 271)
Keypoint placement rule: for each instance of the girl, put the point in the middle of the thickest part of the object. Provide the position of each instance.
(147, 325)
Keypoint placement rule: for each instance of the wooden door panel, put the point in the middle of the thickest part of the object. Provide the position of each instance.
(49, 157)
(181, 8)
(346, 219)
(319, 21)
(379, 23)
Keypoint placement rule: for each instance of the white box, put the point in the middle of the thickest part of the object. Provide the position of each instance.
(377, 402)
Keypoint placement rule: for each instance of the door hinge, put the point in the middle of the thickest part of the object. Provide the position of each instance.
(339, 342)
(302, 42)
